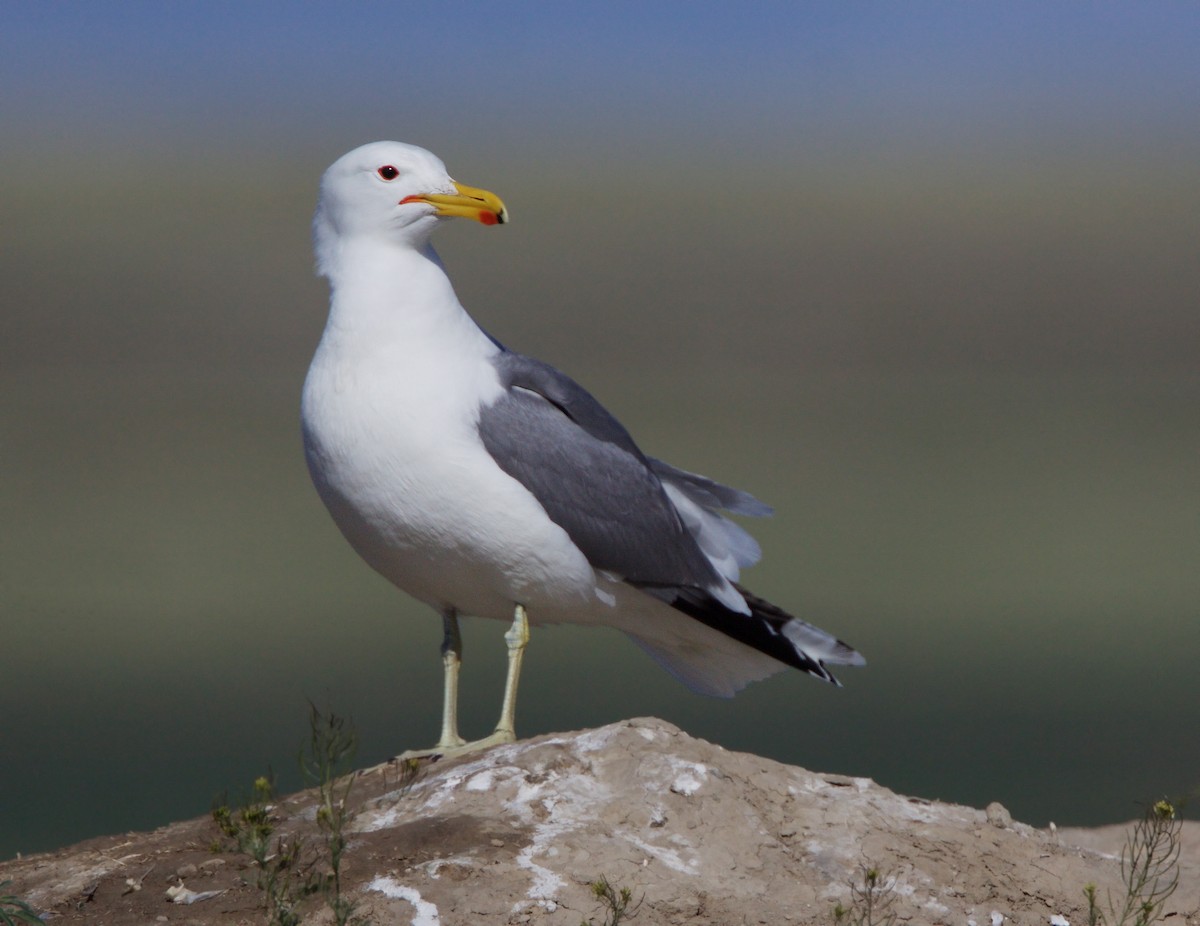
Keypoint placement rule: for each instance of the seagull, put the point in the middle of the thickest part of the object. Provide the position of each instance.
(486, 483)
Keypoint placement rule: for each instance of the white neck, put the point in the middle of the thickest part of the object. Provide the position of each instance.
(391, 297)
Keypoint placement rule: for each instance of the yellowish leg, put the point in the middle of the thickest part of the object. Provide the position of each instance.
(517, 639)
(451, 743)
(451, 661)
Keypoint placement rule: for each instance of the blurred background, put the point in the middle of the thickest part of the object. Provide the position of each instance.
(923, 277)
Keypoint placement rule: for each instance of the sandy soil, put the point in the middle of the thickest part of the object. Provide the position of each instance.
(698, 834)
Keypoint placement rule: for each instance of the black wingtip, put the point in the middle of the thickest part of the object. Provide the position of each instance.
(764, 629)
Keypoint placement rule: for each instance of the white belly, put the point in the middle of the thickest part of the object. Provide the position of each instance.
(397, 460)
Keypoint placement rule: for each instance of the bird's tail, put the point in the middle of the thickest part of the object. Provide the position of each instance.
(768, 629)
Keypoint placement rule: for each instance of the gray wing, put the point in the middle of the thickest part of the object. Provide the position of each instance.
(552, 436)
(710, 494)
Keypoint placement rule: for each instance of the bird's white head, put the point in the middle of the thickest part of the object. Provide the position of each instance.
(392, 192)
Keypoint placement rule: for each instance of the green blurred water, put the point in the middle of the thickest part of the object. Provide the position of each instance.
(972, 402)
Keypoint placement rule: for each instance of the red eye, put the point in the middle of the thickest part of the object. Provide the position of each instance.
(387, 172)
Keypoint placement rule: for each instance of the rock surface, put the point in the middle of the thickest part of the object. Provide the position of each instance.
(699, 835)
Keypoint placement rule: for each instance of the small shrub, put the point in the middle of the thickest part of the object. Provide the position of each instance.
(294, 868)
(871, 899)
(617, 903)
(332, 745)
(284, 871)
(1149, 869)
(14, 911)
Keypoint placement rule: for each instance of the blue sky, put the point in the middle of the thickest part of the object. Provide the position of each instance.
(763, 72)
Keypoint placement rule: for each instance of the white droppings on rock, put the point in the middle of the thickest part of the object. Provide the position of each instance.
(756, 842)
(688, 778)
(669, 857)
(685, 784)
(427, 913)
(596, 740)
(556, 803)
(545, 883)
(522, 803)
(370, 821)
(904, 889)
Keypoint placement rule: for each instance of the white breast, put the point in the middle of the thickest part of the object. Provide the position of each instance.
(391, 442)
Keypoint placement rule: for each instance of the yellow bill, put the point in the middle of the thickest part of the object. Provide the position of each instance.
(468, 203)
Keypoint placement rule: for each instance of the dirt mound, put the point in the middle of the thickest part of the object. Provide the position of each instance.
(698, 834)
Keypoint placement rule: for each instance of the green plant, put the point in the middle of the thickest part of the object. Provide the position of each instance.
(294, 868)
(14, 910)
(618, 903)
(871, 898)
(1149, 869)
(332, 745)
(284, 871)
